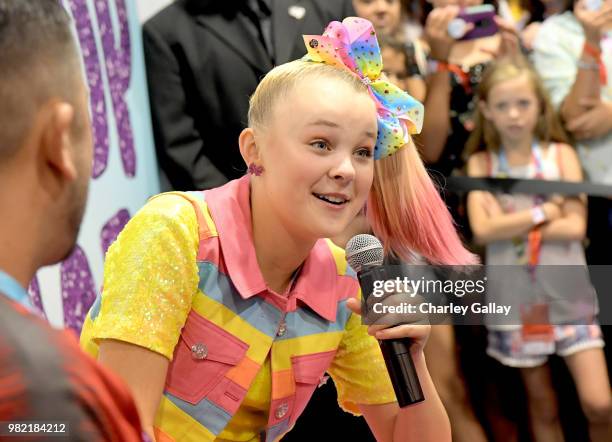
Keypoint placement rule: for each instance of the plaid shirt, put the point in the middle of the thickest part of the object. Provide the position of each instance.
(45, 377)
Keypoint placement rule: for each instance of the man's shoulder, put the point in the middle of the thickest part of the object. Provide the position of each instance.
(51, 379)
(180, 15)
(27, 344)
(168, 20)
(30, 338)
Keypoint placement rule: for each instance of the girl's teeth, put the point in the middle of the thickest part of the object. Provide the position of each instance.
(331, 199)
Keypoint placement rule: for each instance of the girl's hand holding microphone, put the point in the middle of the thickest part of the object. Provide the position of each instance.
(412, 326)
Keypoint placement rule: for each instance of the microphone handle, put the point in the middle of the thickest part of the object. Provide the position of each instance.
(402, 372)
(396, 352)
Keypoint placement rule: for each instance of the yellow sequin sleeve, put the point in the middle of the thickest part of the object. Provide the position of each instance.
(359, 370)
(150, 277)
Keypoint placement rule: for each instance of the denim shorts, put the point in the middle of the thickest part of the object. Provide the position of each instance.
(509, 346)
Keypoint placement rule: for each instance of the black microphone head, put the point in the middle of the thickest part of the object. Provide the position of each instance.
(364, 251)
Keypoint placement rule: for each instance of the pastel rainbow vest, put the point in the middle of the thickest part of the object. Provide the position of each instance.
(227, 338)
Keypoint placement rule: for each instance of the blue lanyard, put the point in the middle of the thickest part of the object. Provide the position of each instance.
(536, 157)
(12, 289)
(534, 241)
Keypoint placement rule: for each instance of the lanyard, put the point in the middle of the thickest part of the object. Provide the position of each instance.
(13, 290)
(595, 52)
(536, 158)
(535, 235)
(464, 77)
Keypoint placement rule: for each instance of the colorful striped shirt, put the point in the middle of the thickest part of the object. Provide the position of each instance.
(182, 280)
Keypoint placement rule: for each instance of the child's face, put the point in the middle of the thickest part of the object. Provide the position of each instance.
(395, 66)
(385, 15)
(513, 108)
(317, 151)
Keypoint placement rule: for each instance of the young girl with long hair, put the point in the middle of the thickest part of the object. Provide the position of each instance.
(517, 135)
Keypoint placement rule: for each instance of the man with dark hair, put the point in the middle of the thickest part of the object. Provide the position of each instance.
(204, 59)
(45, 163)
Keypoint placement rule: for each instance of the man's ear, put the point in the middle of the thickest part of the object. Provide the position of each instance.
(56, 140)
(248, 147)
(484, 109)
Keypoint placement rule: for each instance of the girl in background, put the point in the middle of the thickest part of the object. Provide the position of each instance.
(521, 138)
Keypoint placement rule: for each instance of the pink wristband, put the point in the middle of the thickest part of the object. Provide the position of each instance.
(538, 216)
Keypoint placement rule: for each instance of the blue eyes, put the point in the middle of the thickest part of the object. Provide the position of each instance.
(502, 106)
(321, 145)
(365, 153)
(523, 104)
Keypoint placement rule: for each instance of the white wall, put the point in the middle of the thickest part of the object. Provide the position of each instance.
(147, 8)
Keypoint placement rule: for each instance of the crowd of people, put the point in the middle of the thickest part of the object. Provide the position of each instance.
(242, 300)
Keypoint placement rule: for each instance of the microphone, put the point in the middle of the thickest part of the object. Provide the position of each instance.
(365, 255)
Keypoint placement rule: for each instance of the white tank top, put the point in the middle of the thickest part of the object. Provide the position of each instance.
(554, 286)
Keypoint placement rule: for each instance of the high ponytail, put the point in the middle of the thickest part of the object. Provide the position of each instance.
(408, 215)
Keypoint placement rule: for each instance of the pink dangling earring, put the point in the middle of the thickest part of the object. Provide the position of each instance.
(254, 169)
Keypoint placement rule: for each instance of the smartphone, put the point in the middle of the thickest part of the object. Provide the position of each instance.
(482, 18)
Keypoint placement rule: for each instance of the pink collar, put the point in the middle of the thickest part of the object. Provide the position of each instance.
(316, 284)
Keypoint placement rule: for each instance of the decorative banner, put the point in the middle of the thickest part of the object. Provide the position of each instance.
(124, 171)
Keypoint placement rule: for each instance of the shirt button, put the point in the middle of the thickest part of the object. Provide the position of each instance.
(199, 351)
(282, 328)
(281, 411)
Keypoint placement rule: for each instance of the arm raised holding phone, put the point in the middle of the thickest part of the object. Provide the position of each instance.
(458, 39)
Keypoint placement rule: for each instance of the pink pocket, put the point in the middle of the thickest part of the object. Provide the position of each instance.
(308, 370)
(204, 354)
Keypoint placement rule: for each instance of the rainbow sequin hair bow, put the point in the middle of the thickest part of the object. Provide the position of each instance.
(352, 45)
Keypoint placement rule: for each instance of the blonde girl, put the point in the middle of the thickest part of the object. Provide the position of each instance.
(224, 309)
(517, 135)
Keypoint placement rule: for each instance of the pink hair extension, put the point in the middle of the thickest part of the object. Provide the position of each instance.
(408, 215)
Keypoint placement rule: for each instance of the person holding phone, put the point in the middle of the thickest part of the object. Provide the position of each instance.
(457, 59)
(573, 55)
(454, 71)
